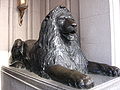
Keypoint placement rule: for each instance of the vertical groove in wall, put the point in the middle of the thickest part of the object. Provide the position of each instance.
(12, 28)
(27, 32)
(40, 19)
(70, 4)
(67, 4)
(47, 8)
(10, 24)
(29, 20)
(79, 23)
(32, 19)
(40, 11)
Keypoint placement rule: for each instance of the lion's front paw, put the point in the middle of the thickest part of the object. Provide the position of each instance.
(80, 80)
(110, 70)
(70, 77)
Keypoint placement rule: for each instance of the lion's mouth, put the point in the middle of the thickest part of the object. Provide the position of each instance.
(73, 32)
(69, 33)
(69, 30)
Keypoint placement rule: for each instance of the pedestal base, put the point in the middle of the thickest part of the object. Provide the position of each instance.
(19, 79)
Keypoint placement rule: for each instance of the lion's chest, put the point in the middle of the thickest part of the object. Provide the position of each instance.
(67, 55)
(64, 55)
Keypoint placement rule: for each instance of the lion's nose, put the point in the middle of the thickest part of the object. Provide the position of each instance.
(74, 25)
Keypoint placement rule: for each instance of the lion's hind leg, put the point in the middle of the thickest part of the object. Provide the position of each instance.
(69, 77)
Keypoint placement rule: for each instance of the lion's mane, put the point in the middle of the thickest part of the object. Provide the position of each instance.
(52, 49)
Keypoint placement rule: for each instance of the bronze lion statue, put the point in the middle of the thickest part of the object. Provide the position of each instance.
(57, 54)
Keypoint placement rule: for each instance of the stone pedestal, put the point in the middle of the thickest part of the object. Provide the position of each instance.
(18, 79)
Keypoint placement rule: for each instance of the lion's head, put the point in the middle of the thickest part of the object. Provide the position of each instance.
(67, 26)
(59, 20)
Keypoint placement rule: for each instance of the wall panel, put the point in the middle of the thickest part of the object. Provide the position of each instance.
(95, 30)
(3, 24)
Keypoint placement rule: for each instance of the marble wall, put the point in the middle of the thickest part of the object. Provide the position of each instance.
(3, 24)
(95, 31)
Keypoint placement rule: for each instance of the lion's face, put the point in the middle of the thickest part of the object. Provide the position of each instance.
(67, 26)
